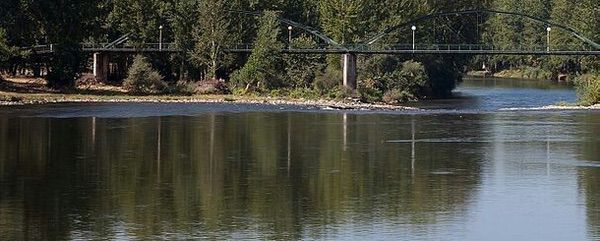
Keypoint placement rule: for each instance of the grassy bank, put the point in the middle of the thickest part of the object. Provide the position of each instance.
(531, 73)
(525, 73)
(34, 91)
(588, 89)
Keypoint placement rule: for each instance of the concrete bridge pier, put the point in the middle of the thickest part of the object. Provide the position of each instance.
(101, 67)
(349, 70)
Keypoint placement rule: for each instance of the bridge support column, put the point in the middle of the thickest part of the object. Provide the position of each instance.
(101, 67)
(349, 69)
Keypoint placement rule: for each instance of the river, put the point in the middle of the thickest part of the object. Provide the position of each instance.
(466, 169)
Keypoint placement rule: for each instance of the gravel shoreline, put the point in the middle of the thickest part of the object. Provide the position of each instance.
(325, 104)
(557, 107)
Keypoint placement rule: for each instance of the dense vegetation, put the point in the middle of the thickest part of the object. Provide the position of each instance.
(204, 28)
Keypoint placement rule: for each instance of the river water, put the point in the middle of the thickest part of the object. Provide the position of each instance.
(467, 170)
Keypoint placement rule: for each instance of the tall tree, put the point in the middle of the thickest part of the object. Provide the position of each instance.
(4, 50)
(65, 24)
(212, 34)
(587, 20)
(141, 18)
(261, 69)
(183, 18)
(345, 21)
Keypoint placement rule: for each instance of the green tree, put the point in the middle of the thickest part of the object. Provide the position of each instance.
(142, 78)
(142, 18)
(4, 49)
(587, 20)
(303, 69)
(562, 12)
(212, 34)
(65, 24)
(262, 68)
(183, 18)
(504, 31)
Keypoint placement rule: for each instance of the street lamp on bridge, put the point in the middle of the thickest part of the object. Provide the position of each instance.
(290, 28)
(548, 29)
(160, 28)
(414, 28)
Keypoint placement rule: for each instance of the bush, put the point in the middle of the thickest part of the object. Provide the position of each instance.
(341, 92)
(588, 89)
(396, 96)
(143, 79)
(181, 88)
(369, 92)
(211, 87)
(326, 81)
(392, 82)
(526, 73)
(303, 93)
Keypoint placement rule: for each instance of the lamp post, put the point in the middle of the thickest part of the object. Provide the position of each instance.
(290, 36)
(548, 29)
(160, 28)
(414, 28)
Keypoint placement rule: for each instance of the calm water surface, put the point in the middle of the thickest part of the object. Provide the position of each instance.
(172, 171)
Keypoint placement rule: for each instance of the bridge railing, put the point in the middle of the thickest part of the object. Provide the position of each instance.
(249, 47)
(428, 47)
(467, 47)
(324, 48)
(130, 47)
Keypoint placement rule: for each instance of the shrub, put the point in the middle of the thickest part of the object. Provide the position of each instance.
(181, 88)
(211, 87)
(393, 82)
(396, 96)
(340, 92)
(369, 92)
(143, 79)
(303, 93)
(588, 89)
(326, 81)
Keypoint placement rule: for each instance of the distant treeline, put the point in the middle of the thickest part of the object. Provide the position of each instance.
(203, 28)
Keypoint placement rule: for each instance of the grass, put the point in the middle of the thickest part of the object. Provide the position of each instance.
(525, 73)
(588, 89)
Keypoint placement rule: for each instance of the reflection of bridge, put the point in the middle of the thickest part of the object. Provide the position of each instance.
(368, 47)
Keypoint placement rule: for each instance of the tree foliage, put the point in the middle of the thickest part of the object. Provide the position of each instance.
(202, 29)
(211, 35)
(4, 49)
(302, 69)
(142, 18)
(142, 78)
(261, 69)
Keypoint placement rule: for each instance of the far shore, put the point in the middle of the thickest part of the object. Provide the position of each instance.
(30, 92)
(37, 99)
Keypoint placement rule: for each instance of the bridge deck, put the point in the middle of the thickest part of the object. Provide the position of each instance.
(403, 49)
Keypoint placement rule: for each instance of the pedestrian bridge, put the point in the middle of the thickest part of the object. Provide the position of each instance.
(375, 44)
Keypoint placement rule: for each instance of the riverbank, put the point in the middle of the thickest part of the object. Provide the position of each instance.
(33, 92)
(556, 107)
(529, 73)
(36, 99)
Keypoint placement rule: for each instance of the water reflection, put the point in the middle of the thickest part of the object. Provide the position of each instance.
(287, 175)
(589, 178)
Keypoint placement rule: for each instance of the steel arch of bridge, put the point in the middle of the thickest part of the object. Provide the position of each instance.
(306, 28)
(567, 29)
